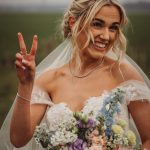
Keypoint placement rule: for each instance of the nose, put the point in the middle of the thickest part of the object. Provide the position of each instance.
(104, 34)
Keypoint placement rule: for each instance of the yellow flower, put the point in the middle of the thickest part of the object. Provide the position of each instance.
(131, 137)
(117, 129)
(121, 122)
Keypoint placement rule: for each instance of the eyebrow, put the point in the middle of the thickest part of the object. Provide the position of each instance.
(103, 22)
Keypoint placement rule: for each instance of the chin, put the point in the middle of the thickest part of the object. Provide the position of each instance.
(97, 53)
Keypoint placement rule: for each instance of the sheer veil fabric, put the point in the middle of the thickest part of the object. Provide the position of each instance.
(57, 58)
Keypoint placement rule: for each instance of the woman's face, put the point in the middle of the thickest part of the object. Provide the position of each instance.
(104, 28)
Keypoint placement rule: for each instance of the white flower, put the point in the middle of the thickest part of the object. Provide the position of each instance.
(125, 141)
(63, 136)
(92, 102)
(60, 116)
(107, 107)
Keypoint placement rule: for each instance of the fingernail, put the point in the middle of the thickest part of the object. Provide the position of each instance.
(24, 68)
(35, 36)
(19, 33)
(24, 61)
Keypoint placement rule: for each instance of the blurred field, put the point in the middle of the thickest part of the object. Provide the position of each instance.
(46, 27)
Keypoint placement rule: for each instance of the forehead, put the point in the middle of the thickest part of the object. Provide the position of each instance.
(109, 14)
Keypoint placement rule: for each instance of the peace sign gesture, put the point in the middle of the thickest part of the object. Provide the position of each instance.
(25, 62)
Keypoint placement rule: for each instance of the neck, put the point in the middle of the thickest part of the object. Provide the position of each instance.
(86, 67)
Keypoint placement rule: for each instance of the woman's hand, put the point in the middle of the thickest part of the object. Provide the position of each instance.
(25, 62)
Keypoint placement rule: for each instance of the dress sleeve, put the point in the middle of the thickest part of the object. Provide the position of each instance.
(40, 96)
(136, 90)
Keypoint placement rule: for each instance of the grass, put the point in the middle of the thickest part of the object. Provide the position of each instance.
(45, 25)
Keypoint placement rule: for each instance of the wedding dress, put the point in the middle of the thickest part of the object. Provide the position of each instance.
(134, 91)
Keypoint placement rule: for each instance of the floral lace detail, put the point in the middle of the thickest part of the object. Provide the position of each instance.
(93, 104)
(39, 96)
(136, 90)
(60, 119)
(58, 114)
(99, 121)
(131, 92)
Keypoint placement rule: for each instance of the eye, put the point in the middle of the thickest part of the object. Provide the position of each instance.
(96, 24)
(114, 28)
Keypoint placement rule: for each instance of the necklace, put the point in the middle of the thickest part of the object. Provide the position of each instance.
(87, 74)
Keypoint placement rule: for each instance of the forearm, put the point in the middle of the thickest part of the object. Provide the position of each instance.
(20, 128)
(146, 145)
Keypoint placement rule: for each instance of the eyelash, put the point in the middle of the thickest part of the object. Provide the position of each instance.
(114, 28)
(99, 25)
(96, 24)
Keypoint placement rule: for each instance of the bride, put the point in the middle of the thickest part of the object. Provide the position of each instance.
(88, 78)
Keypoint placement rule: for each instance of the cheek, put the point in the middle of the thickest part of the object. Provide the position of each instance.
(113, 37)
(81, 39)
(94, 32)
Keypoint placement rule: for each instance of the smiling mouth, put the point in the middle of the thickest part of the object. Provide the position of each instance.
(100, 46)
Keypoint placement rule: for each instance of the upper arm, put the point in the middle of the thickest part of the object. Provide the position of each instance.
(139, 110)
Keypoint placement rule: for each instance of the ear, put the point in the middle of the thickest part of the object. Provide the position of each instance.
(71, 22)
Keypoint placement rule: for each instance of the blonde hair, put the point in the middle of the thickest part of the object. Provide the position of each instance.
(83, 11)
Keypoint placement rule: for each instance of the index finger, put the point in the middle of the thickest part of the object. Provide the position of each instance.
(34, 45)
(22, 44)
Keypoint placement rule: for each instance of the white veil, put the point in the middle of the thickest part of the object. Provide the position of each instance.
(57, 58)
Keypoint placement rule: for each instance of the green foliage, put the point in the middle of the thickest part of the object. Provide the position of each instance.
(45, 25)
(138, 40)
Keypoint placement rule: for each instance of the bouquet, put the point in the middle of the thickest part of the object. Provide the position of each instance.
(77, 131)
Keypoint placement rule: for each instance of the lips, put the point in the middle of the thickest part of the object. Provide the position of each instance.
(100, 46)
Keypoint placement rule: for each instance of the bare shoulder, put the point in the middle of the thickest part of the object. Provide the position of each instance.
(130, 72)
(50, 78)
(124, 72)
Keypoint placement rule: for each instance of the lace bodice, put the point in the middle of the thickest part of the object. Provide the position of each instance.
(56, 113)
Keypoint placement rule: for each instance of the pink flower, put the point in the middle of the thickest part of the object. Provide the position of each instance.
(96, 140)
(95, 147)
(95, 132)
(124, 148)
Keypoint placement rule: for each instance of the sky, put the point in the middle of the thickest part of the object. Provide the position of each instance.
(18, 2)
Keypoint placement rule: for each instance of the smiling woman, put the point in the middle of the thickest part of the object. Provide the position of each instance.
(87, 94)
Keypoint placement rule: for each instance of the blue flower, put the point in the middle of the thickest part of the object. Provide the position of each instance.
(110, 107)
(109, 121)
(108, 132)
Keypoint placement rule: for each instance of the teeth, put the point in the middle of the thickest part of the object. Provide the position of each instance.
(100, 45)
